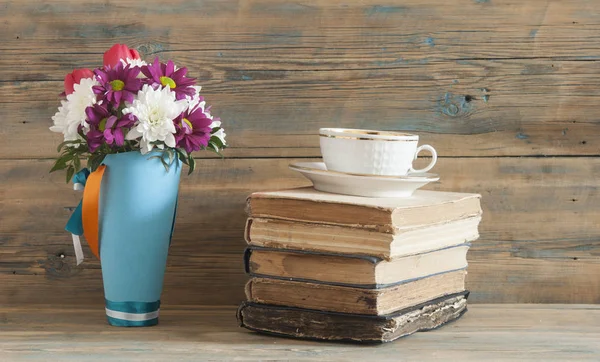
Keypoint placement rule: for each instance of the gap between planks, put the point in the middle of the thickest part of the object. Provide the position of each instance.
(318, 157)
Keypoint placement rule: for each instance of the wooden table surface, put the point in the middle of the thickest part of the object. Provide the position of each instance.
(486, 332)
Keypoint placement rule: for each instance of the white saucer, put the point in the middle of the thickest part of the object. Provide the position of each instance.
(362, 185)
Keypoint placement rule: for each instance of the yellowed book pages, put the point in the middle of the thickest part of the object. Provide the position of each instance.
(353, 300)
(381, 214)
(285, 234)
(351, 270)
(312, 324)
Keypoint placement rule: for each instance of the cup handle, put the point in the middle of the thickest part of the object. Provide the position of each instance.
(433, 158)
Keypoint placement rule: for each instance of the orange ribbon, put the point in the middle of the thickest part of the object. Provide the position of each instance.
(90, 213)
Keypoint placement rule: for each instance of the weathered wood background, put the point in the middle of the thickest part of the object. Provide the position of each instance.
(508, 91)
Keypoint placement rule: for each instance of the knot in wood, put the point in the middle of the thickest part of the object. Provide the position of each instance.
(59, 265)
(453, 105)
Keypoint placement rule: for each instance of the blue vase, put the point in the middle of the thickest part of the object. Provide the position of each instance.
(138, 201)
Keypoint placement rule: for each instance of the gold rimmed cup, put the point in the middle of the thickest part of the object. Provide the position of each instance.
(371, 152)
(366, 135)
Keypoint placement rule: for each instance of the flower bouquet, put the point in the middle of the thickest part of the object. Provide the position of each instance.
(136, 124)
(129, 105)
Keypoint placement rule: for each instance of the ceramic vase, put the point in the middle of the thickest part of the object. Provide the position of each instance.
(137, 206)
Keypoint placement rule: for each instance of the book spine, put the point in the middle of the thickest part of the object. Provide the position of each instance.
(252, 267)
(248, 290)
(247, 230)
(318, 325)
(247, 256)
(375, 218)
(350, 299)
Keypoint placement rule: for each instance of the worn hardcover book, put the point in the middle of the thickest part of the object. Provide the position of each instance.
(352, 270)
(312, 324)
(343, 299)
(380, 214)
(285, 234)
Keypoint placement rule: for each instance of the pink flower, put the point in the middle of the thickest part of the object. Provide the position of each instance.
(74, 78)
(114, 55)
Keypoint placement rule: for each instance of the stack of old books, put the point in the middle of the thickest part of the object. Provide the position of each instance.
(336, 267)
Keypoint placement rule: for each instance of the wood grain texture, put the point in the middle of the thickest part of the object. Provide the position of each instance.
(540, 239)
(485, 81)
(484, 333)
(528, 111)
(482, 27)
(475, 78)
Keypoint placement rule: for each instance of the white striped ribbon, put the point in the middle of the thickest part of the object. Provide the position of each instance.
(76, 240)
(133, 317)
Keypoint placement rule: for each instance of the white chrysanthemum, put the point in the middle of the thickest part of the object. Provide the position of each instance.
(193, 101)
(220, 133)
(134, 62)
(82, 97)
(155, 110)
(71, 113)
(60, 123)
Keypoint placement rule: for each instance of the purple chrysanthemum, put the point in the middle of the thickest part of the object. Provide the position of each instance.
(98, 116)
(113, 131)
(193, 129)
(95, 138)
(118, 83)
(106, 127)
(160, 74)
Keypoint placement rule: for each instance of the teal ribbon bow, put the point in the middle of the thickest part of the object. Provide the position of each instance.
(75, 223)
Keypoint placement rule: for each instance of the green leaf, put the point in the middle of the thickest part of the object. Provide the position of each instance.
(90, 163)
(183, 155)
(171, 155)
(214, 146)
(192, 164)
(182, 152)
(70, 173)
(60, 164)
(163, 159)
(77, 142)
(94, 161)
(217, 141)
(77, 163)
(219, 153)
(165, 164)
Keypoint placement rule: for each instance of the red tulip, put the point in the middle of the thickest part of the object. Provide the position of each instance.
(118, 52)
(74, 78)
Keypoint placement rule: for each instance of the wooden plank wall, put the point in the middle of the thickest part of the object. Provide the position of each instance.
(506, 90)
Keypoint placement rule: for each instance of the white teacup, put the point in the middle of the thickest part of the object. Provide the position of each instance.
(368, 152)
